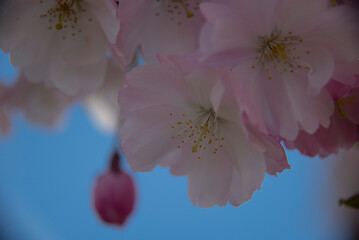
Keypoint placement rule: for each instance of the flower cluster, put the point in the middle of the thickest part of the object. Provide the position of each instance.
(227, 82)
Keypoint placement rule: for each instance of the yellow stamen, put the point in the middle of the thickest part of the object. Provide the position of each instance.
(340, 110)
(335, 3)
(194, 148)
(283, 55)
(188, 12)
(65, 10)
(58, 25)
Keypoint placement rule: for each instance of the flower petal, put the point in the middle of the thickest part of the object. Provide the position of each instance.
(146, 136)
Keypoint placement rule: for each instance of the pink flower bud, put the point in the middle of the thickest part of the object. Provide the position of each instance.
(114, 194)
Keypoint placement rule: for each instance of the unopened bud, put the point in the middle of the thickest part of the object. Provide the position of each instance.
(114, 194)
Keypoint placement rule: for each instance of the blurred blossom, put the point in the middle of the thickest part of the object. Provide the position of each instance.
(114, 194)
(61, 43)
(47, 106)
(41, 105)
(102, 105)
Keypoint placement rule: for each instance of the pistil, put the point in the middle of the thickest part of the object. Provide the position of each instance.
(66, 6)
(280, 52)
(188, 12)
(339, 104)
(205, 128)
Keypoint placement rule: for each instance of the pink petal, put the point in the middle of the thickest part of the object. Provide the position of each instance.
(72, 80)
(140, 26)
(209, 179)
(146, 136)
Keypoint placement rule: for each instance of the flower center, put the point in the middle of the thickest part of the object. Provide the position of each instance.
(342, 101)
(279, 51)
(335, 3)
(65, 9)
(177, 9)
(202, 129)
(64, 16)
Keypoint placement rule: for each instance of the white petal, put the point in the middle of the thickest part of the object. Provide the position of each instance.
(209, 178)
(146, 137)
(72, 80)
(102, 104)
(249, 164)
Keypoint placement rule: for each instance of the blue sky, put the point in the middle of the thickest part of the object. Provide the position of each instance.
(47, 175)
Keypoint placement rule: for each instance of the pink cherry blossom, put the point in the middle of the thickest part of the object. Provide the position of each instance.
(348, 106)
(166, 26)
(338, 90)
(61, 42)
(342, 132)
(114, 194)
(178, 114)
(41, 105)
(283, 53)
(46, 105)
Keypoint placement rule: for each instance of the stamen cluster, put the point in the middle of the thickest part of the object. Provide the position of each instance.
(177, 9)
(203, 130)
(65, 16)
(280, 52)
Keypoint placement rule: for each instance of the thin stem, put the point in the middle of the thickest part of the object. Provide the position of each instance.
(115, 163)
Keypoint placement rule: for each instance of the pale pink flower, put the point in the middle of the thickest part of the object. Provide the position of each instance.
(114, 194)
(41, 105)
(166, 26)
(102, 104)
(178, 114)
(283, 52)
(349, 106)
(47, 106)
(342, 132)
(338, 90)
(61, 42)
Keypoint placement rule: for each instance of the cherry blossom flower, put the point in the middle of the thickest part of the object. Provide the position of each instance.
(178, 114)
(114, 194)
(166, 26)
(283, 53)
(342, 132)
(47, 106)
(60, 42)
(349, 105)
(41, 105)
